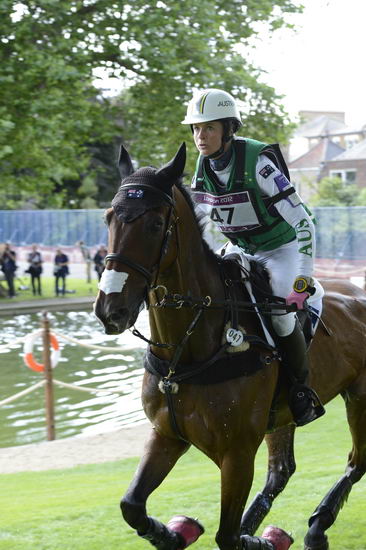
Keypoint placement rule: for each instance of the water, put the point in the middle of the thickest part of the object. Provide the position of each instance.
(76, 412)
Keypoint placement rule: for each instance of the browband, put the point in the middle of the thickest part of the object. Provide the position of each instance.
(164, 195)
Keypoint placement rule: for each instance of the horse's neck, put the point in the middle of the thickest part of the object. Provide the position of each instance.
(194, 272)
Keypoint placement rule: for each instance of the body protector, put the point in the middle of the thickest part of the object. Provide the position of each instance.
(239, 210)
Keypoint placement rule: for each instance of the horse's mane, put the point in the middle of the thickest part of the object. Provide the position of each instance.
(201, 219)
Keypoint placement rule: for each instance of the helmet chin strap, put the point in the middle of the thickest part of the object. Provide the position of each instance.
(220, 151)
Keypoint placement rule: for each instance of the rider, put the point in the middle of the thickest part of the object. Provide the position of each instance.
(244, 186)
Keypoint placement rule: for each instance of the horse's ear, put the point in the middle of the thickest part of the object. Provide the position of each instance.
(124, 163)
(174, 169)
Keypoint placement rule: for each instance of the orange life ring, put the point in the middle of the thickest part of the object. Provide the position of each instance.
(28, 352)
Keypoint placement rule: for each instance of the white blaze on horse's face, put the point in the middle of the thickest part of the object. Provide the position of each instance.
(112, 281)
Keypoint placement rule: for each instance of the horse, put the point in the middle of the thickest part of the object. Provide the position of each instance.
(199, 387)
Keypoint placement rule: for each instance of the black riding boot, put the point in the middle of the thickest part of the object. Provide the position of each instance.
(304, 403)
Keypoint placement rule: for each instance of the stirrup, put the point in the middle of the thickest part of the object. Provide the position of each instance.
(305, 404)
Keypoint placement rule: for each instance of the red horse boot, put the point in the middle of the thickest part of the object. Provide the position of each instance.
(278, 537)
(189, 529)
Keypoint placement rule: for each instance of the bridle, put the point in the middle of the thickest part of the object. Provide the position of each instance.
(172, 219)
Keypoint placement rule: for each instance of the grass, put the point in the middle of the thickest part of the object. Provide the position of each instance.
(78, 508)
(79, 287)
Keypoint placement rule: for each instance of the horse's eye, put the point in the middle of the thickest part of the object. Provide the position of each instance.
(156, 225)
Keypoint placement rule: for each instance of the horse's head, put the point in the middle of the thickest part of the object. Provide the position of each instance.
(139, 225)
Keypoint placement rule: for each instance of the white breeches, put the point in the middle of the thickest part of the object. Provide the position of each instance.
(282, 265)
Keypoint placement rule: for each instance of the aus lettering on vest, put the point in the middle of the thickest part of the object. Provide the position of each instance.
(304, 235)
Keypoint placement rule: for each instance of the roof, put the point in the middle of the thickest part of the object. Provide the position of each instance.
(323, 151)
(357, 152)
(320, 126)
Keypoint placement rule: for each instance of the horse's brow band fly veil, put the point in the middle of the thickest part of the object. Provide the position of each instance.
(138, 193)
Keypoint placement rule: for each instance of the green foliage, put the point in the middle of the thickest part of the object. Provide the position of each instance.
(362, 197)
(331, 191)
(52, 117)
(78, 288)
(78, 508)
(199, 50)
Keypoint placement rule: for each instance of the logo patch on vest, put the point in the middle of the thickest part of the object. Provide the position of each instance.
(282, 184)
(266, 171)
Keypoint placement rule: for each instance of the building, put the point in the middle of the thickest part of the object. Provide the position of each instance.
(305, 171)
(323, 145)
(350, 165)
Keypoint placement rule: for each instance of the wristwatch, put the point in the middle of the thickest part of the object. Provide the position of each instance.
(304, 284)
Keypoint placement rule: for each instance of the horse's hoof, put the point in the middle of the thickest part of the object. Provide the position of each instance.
(278, 537)
(316, 543)
(190, 529)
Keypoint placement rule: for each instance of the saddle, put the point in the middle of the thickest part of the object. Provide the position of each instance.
(257, 278)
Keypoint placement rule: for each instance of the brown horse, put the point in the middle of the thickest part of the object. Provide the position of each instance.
(199, 389)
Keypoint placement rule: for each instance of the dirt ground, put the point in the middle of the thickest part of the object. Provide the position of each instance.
(73, 451)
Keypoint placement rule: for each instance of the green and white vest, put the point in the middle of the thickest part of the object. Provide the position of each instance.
(239, 210)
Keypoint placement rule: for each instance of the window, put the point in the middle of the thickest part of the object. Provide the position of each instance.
(347, 176)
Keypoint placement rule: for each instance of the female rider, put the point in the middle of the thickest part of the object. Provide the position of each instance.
(243, 185)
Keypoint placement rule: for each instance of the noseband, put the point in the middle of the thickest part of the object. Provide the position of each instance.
(122, 259)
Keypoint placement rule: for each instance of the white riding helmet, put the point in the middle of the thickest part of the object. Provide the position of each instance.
(212, 104)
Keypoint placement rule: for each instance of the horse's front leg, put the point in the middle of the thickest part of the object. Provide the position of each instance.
(161, 454)
(237, 470)
(281, 466)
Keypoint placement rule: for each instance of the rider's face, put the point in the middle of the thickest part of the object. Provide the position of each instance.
(208, 137)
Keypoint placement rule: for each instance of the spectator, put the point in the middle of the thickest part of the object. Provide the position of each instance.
(87, 259)
(61, 269)
(99, 260)
(8, 267)
(35, 269)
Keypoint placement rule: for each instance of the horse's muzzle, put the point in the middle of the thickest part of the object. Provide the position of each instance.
(114, 319)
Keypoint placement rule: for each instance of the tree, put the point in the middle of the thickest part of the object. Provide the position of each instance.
(361, 201)
(332, 191)
(52, 117)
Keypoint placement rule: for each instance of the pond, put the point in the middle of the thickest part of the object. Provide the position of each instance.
(76, 412)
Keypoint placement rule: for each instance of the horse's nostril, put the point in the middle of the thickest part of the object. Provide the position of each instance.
(118, 315)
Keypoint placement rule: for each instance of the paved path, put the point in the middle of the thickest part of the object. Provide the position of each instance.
(73, 451)
(66, 303)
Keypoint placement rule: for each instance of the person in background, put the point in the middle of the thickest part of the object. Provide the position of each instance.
(35, 269)
(8, 267)
(61, 270)
(87, 259)
(99, 260)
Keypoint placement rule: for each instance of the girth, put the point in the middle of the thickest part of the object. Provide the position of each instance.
(221, 367)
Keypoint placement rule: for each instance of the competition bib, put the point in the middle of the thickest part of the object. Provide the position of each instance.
(231, 213)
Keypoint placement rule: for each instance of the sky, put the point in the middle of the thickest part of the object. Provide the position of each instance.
(320, 65)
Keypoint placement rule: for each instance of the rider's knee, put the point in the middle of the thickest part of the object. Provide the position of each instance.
(284, 325)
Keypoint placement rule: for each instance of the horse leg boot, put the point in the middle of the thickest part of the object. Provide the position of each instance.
(281, 466)
(304, 403)
(161, 454)
(273, 538)
(326, 513)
